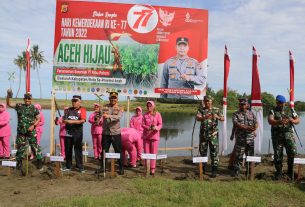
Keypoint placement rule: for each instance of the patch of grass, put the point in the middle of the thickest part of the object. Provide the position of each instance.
(164, 192)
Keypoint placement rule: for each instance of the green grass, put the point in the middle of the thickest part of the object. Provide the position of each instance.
(165, 192)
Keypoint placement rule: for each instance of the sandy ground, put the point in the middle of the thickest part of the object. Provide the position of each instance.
(18, 190)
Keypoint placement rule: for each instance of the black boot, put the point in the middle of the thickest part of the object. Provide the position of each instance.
(214, 172)
(278, 174)
(19, 164)
(290, 168)
(203, 168)
(39, 164)
(101, 169)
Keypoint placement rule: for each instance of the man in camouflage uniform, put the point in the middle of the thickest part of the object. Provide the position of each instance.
(281, 120)
(209, 116)
(28, 119)
(245, 124)
(181, 71)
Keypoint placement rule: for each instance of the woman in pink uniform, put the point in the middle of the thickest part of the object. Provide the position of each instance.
(62, 132)
(96, 122)
(136, 120)
(39, 127)
(133, 144)
(152, 124)
(5, 132)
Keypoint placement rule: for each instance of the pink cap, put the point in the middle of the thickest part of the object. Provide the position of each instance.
(151, 102)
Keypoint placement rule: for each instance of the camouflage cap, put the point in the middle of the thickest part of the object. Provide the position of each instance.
(27, 95)
(208, 98)
(243, 100)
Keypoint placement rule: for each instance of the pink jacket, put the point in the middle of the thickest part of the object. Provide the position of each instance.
(136, 121)
(148, 121)
(5, 128)
(96, 128)
(130, 135)
(62, 129)
(39, 127)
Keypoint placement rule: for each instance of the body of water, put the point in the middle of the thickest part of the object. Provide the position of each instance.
(177, 132)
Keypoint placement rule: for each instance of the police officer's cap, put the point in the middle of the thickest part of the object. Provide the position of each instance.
(27, 95)
(77, 98)
(280, 98)
(208, 98)
(113, 94)
(181, 40)
(243, 101)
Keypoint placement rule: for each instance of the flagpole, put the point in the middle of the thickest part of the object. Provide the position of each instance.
(224, 103)
(28, 68)
(256, 101)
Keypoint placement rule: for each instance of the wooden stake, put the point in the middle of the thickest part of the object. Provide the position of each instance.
(57, 171)
(147, 168)
(85, 157)
(299, 172)
(252, 167)
(8, 171)
(112, 168)
(128, 111)
(200, 171)
(52, 148)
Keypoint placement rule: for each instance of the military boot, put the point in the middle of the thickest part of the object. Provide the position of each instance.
(290, 170)
(101, 169)
(203, 168)
(214, 172)
(39, 164)
(19, 164)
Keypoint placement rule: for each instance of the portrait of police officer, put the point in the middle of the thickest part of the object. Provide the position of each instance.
(181, 71)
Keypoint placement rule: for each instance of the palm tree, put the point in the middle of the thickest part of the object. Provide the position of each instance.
(21, 62)
(37, 59)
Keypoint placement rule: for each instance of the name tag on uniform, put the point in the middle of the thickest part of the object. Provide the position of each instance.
(113, 155)
(149, 156)
(200, 159)
(253, 159)
(300, 161)
(9, 163)
(56, 158)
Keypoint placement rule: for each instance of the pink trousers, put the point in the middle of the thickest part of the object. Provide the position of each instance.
(151, 147)
(97, 145)
(5, 146)
(62, 146)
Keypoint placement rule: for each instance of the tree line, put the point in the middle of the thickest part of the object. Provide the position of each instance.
(268, 100)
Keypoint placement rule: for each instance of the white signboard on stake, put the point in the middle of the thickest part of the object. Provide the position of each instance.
(253, 159)
(13, 152)
(149, 156)
(200, 159)
(300, 161)
(86, 153)
(56, 158)
(9, 163)
(160, 157)
(113, 155)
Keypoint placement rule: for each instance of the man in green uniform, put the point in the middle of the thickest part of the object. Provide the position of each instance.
(209, 116)
(281, 120)
(28, 119)
(245, 124)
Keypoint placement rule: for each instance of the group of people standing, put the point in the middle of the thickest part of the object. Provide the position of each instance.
(281, 118)
(144, 132)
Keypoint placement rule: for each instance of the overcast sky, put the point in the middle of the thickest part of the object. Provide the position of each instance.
(273, 27)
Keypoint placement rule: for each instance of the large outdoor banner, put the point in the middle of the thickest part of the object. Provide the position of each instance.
(136, 50)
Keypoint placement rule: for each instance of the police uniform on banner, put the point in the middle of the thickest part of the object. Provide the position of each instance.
(175, 67)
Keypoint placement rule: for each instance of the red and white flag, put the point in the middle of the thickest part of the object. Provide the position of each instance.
(291, 91)
(28, 67)
(224, 103)
(256, 101)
